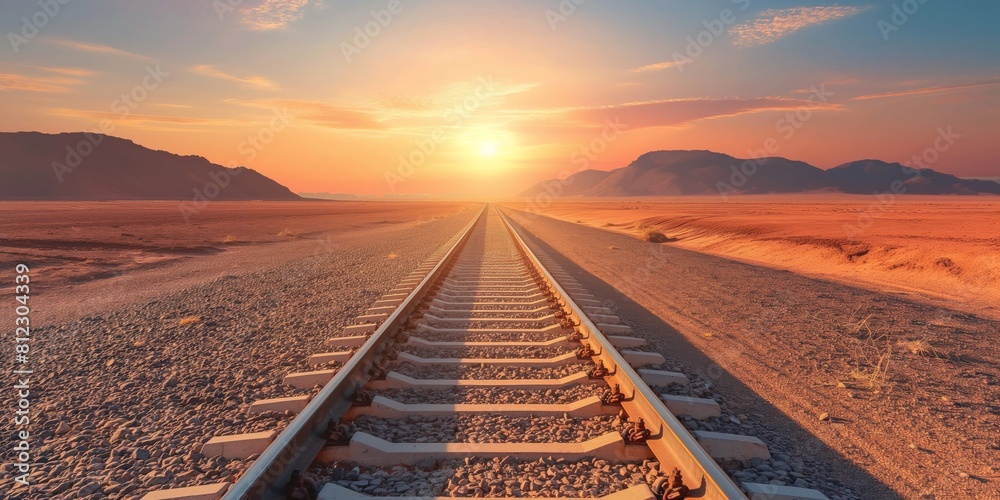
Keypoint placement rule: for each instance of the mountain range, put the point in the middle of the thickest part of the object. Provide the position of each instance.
(685, 173)
(86, 166)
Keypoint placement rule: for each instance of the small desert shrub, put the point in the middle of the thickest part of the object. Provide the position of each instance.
(654, 236)
(190, 320)
(920, 348)
(871, 354)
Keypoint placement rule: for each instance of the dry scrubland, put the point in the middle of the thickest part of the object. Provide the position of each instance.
(943, 248)
(92, 256)
(82, 241)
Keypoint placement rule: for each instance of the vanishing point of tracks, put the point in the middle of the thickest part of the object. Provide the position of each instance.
(488, 372)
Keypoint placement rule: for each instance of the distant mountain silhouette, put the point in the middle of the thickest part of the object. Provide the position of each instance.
(867, 176)
(84, 166)
(683, 173)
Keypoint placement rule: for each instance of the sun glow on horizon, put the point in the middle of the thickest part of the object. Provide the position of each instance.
(489, 148)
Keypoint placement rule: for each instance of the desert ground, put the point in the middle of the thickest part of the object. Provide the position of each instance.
(88, 256)
(154, 335)
(943, 249)
(139, 364)
(895, 395)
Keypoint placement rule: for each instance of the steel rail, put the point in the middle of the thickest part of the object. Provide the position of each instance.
(299, 443)
(673, 444)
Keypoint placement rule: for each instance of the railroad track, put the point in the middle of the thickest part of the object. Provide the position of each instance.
(489, 371)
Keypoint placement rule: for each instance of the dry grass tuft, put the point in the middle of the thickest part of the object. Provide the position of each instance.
(654, 236)
(921, 348)
(190, 320)
(286, 233)
(871, 354)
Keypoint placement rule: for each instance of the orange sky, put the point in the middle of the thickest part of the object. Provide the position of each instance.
(489, 97)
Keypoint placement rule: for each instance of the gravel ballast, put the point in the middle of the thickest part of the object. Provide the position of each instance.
(547, 477)
(493, 395)
(124, 401)
(486, 428)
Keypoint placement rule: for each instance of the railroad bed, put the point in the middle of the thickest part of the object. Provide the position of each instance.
(488, 372)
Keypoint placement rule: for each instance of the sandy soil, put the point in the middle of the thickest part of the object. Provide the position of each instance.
(945, 249)
(89, 257)
(125, 392)
(897, 397)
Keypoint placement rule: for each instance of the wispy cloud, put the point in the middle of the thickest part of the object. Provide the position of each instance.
(773, 24)
(670, 112)
(97, 48)
(655, 67)
(67, 71)
(136, 117)
(323, 113)
(258, 82)
(275, 14)
(929, 90)
(399, 114)
(54, 84)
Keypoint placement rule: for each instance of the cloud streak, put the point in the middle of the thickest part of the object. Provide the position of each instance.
(928, 90)
(97, 48)
(274, 14)
(136, 117)
(67, 71)
(772, 25)
(322, 113)
(257, 82)
(670, 112)
(51, 84)
(655, 67)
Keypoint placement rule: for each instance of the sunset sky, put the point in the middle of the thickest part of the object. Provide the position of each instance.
(488, 97)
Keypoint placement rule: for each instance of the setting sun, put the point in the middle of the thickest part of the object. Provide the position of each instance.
(489, 148)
